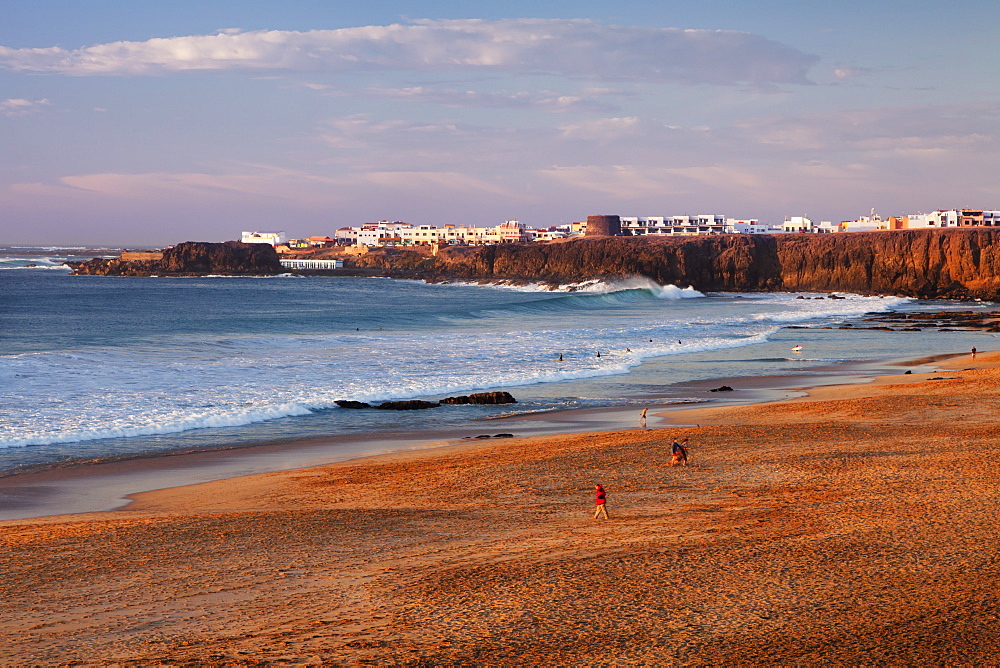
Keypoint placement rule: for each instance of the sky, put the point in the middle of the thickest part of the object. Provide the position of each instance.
(149, 123)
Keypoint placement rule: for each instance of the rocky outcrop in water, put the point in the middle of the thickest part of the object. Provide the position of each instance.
(485, 398)
(357, 405)
(191, 258)
(954, 264)
(408, 405)
(482, 398)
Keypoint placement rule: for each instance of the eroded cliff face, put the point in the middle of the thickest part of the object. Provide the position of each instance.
(954, 264)
(957, 264)
(193, 258)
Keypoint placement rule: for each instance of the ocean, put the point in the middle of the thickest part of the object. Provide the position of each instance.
(98, 367)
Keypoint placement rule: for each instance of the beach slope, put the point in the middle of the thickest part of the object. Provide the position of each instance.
(853, 526)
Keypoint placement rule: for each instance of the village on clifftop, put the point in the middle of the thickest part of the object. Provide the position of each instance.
(386, 233)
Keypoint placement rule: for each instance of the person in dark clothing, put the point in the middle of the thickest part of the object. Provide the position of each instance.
(600, 502)
(678, 454)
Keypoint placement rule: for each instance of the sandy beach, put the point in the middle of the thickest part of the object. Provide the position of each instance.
(854, 525)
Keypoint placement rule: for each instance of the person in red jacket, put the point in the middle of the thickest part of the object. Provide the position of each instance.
(600, 501)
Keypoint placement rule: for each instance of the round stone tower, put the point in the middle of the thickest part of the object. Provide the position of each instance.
(604, 226)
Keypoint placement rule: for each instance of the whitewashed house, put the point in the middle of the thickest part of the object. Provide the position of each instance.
(273, 238)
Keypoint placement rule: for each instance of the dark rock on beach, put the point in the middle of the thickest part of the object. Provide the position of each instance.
(482, 398)
(724, 388)
(410, 405)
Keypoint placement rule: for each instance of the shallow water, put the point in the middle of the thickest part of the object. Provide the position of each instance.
(107, 366)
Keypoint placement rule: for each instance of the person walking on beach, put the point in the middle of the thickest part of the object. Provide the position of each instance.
(973, 352)
(600, 502)
(642, 418)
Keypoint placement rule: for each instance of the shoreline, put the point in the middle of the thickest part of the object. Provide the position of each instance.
(87, 486)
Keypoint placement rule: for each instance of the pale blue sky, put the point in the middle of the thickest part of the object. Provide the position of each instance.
(148, 123)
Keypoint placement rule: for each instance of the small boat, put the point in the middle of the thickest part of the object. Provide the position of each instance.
(797, 349)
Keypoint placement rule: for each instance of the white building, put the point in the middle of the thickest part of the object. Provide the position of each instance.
(752, 226)
(920, 221)
(802, 224)
(870, 223)
(382, 233)
(385, 233)
(421, 235)
(273, 238)
(312, 264)
(953, 218)
(509, 232)
(705, 223)
(346, 236)
(550, 234)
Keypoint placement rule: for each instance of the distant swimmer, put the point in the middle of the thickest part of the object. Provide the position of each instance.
(679, 342)
(598, 353)
(796, 349)
(628, 350)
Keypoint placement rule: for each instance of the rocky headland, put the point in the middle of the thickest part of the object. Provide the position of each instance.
(191, 258)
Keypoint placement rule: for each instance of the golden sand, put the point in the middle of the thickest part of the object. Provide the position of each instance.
(854, 526)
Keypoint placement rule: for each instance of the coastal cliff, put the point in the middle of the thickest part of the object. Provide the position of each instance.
(952, 264)
(928, 264)
(191, 258)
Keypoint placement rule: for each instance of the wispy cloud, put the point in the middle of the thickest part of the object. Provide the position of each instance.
(20, 107)
(625, 183)
(606, 129)
(575, 48)
(845, 73)
(912, 130)
(543, 101)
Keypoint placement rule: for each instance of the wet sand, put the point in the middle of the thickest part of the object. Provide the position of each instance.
(854, 525)
(82, 486)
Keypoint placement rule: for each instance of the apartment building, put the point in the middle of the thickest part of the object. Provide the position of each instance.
(674, 225)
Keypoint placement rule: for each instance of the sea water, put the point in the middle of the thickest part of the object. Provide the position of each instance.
(95, 367)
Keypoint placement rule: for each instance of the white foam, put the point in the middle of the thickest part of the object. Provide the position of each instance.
(191, 380)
